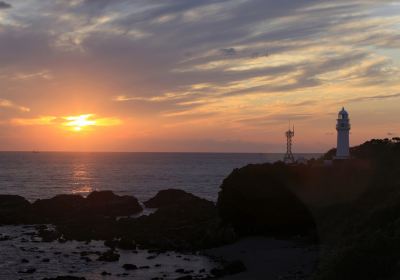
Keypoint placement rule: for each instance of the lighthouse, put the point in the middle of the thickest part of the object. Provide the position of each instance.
(343, 131)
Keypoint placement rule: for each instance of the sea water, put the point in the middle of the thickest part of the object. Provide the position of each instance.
(45, 174)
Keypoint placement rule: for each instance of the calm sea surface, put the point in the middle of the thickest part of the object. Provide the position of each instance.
(43, 175)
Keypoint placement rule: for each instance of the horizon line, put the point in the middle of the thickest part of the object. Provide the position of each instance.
(150, 152)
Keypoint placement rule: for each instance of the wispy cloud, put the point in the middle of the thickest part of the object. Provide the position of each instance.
(42, 120)
(4, 5)
(78, 121)
(374, 97)
(11, 105)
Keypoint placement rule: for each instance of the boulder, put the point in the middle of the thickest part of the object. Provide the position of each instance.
(109, 256)
(172, 197)
(129, 266)
(75, 207)
(110, 204)
(181, 222)
(60, 207)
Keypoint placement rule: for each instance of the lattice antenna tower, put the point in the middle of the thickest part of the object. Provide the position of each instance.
(289, 158)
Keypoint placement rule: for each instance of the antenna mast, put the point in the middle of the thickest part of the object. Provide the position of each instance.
(289, 158)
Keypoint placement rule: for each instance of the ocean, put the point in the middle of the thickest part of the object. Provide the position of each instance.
(45, 174)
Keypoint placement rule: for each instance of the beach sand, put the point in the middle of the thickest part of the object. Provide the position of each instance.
(267, 258)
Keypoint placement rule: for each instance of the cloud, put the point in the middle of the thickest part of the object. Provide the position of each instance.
(374, 97)
(228, 51)
(4, 5)
(72, 122)
(171, 60)
(42, 120)
(275, 118)
(9, 104)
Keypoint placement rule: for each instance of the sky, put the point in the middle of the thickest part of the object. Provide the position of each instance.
(196, 76)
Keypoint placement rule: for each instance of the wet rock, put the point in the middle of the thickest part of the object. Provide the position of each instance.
(24, 261)
(5, 238)
(109, 256)
(45, 260)
(105, 273)
(29, 270)
(65, 278)
(86, 259)
(129, 266)
(48, 235)
(144, 267)
(111, 243)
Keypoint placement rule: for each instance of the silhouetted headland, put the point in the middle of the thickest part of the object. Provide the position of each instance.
(350, 208)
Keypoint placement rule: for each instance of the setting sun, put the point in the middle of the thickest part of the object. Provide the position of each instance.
(84, 121)
(77, 123)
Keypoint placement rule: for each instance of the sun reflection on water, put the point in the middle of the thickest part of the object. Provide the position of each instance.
(84, 190)
(82, 179)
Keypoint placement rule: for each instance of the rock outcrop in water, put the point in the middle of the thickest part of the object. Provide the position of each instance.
(67, 207)
(182, 221)
(173, 197)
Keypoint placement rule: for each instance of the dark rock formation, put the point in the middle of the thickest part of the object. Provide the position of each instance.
(109, 204)
(13, 209)
(67, 207)
(172, 197)
(129, 266)
(182, 222)
(28, 270)
(256, 201)
(109, 256)
(60, 207)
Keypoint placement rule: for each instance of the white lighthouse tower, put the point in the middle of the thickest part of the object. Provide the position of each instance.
(343, 131)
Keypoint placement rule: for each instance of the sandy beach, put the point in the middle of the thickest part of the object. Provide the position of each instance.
(269, 259)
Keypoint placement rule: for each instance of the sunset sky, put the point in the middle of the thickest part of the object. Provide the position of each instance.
(190, 75)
